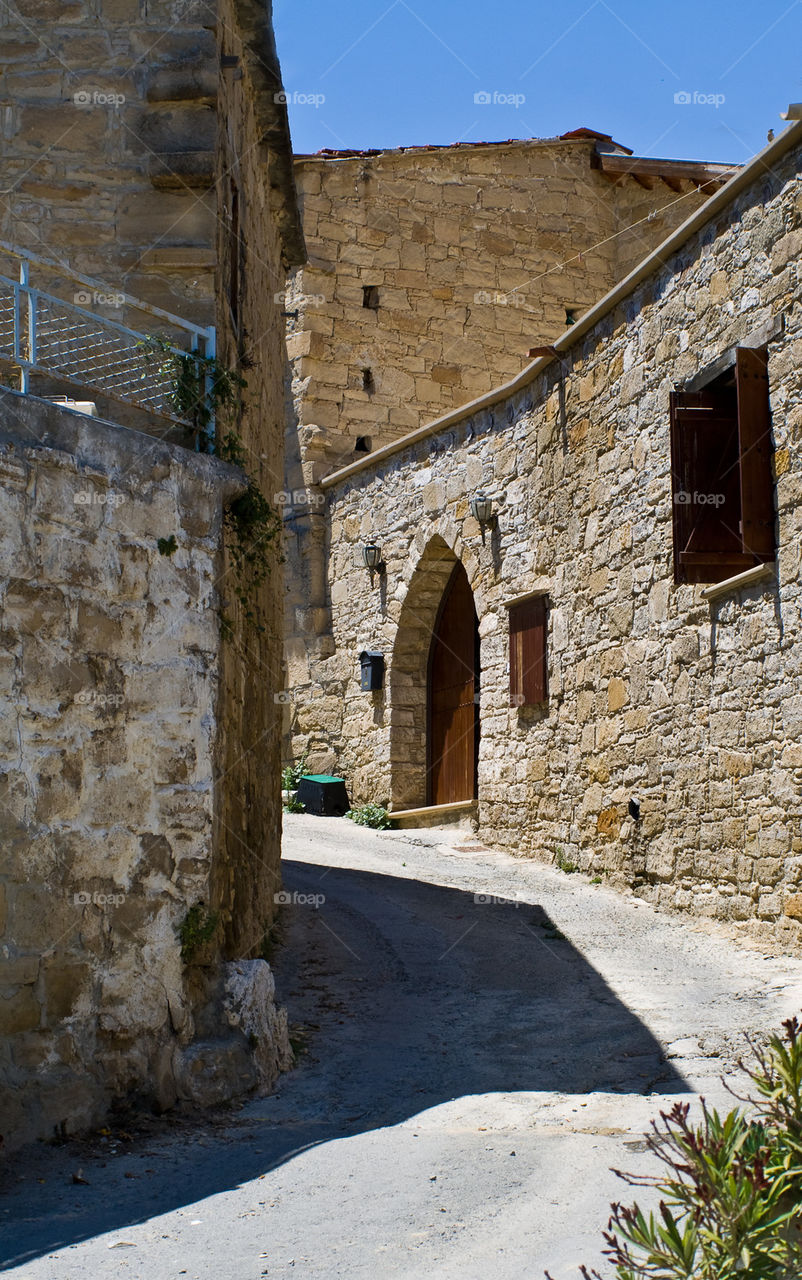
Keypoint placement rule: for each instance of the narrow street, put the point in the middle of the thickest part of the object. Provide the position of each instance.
(469, 1072)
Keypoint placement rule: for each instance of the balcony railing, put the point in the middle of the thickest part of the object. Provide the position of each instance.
(63, 339)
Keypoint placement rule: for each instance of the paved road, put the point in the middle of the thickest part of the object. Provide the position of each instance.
(473, 1068)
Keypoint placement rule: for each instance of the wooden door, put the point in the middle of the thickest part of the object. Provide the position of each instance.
(452, 696)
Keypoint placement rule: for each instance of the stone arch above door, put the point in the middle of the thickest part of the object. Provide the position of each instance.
(427, 583)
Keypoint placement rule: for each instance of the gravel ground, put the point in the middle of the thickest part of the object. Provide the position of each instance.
(482, 1039)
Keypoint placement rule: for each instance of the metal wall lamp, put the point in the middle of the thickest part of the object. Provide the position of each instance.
(482, 511)
(372, 558)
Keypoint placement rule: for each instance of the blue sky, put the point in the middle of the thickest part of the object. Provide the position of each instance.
(401, 72)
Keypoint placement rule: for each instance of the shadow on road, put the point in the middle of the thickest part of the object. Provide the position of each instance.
(411, 995)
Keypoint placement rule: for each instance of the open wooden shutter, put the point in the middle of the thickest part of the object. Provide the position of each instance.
(528, 656)
(706, 496)
(754, 434)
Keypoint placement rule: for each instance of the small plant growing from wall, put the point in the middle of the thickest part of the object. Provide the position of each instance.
(196, 929)
(563, 863)
(371, 815)
(731, 1188)
(167, 546)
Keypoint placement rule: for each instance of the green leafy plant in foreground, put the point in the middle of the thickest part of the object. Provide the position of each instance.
(370, 815)
(731, 1191)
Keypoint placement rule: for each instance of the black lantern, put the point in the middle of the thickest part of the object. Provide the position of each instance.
(482, 508)
(371, 556)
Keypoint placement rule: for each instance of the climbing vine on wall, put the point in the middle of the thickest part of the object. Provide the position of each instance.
(206, 396)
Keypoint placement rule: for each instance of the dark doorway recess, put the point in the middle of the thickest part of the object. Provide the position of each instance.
(453, 701)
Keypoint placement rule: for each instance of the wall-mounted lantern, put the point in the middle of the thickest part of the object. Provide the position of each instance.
(482, 510)
(372, 559)
(371, 670)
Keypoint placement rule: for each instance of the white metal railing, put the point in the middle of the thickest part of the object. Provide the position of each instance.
(63, 339)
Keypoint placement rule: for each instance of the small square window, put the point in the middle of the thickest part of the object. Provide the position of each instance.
(370, 296)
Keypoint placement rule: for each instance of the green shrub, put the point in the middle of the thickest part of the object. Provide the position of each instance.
(292, 773)
(370, 815)
(294, 806)
(731, 1189)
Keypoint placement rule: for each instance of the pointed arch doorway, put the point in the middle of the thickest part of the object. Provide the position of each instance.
(452, 696)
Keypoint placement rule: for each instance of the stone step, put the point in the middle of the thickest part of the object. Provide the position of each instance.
(461, 814)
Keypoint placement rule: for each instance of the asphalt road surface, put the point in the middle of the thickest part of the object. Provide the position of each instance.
(482, 1038)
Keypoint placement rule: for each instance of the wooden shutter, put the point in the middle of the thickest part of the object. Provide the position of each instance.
(706, 495)
(754, 436)
(528, 656)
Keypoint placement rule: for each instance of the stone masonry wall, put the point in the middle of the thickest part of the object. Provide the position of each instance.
(476, 252)
(108, 126)
(692, 707)
(265, 239)
(109, 685)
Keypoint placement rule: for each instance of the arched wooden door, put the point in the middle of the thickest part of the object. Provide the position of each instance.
(453, 696)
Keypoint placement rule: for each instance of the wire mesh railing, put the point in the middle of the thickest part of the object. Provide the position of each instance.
(44, 334)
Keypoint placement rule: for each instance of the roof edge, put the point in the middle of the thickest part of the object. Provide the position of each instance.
(739, 182)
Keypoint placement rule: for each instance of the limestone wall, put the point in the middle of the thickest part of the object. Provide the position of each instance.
(109, 685)
(108, 123)
(476, 253)
(256, 246)
(694, 708)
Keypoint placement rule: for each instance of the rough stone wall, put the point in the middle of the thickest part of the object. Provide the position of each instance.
(109, 685)
(108, 126)
(692, 707)
(476, 251)
(265, 237)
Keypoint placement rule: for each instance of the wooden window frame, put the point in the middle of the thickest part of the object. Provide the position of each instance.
(529, 655)
(723, 508)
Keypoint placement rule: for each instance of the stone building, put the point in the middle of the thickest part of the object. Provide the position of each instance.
(604, 669)
(432, 272)
(259, 239)
(126, 91)
(139, 761)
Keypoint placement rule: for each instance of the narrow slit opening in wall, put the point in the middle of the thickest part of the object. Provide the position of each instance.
(368, 383)
(370, 296)
(364, 444)
(570, 315)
